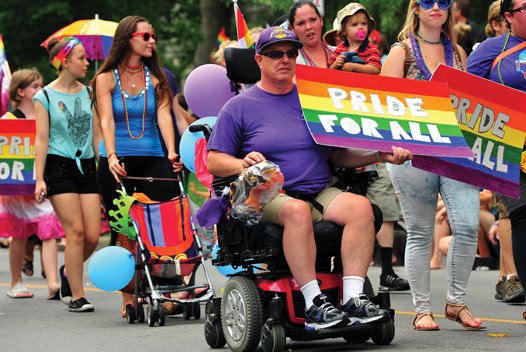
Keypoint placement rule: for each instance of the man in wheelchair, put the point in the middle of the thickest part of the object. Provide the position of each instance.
(266, 123)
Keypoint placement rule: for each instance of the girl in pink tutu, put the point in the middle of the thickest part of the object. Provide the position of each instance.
(22, 214)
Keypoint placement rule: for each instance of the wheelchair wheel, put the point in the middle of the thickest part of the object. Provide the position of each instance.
(213, 330)
(273, 338)
(384, 333)
(130, 314)
(357, 336)
(196, 310)
(241, 314)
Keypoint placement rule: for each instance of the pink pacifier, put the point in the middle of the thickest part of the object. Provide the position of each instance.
(360, 34)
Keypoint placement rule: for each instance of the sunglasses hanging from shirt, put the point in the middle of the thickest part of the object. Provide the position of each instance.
(429, 4)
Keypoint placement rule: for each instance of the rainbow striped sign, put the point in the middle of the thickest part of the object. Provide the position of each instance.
(493, 120)
(354, 110)
(17, 140)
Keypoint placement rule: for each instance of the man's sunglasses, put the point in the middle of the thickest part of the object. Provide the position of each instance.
(277, 54)
(521, 9)
(428, 4)
(145, 35)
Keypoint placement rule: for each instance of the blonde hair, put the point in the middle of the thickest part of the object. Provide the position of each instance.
(412, 22)
(493, 15)
(21, 79)
(218, 56)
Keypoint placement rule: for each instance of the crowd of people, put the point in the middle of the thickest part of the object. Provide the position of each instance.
(126, 122)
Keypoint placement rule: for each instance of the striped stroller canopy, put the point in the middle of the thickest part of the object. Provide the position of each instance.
(165, 227)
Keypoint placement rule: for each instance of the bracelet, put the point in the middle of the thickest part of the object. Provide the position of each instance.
(110, 154)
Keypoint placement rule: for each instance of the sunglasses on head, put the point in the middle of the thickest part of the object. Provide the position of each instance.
(277, 54)
(428, 4)
(145, 35)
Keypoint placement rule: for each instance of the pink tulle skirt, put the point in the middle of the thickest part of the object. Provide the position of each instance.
(21, 217)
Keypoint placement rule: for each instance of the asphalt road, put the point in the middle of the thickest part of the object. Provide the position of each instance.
(40, 325)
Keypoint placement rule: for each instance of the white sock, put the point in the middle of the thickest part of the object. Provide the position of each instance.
(309, 291)
(509, 276)
(352, 287)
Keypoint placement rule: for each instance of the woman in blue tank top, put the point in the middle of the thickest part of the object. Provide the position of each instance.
(132, 99)
(66, 146)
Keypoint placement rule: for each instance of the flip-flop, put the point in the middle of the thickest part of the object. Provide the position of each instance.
(19, 291)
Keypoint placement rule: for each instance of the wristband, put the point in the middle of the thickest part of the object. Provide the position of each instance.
(110, 154)
(377, 156)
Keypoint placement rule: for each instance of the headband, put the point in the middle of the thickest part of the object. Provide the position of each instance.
(64, 51)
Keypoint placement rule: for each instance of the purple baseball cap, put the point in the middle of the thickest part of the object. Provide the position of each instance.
(273, 35)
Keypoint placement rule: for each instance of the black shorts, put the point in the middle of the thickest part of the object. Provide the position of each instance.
(62, 175)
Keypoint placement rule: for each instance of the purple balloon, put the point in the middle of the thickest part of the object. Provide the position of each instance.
(207, 89)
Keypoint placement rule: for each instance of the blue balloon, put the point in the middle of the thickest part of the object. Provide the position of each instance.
(111, 268)
(188, 139)
(227, 269)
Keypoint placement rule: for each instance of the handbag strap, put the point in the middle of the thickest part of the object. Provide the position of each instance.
(507, 53)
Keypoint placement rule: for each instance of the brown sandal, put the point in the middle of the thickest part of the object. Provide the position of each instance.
(456, 318)
(419, 316)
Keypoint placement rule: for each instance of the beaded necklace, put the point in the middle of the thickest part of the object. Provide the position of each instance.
(501, 80)
(134, 69)
(420, 63)
(125, 96)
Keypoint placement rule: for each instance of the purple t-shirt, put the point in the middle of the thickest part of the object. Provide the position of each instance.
(274, 126)
(512, 68)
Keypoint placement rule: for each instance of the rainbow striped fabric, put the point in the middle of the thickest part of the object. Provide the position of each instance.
(243, 35)
(17, 140)
(165, 227)
(5, 79)
(354, 110)
(493, 121)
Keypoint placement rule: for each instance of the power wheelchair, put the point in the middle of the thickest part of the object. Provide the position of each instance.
(260, 308)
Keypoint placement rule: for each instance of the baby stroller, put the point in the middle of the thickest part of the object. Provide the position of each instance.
(167, 256)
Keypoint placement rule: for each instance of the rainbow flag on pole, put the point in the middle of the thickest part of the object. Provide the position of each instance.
(221, 37)
(354, 110)
(243, 35)
(5, 79)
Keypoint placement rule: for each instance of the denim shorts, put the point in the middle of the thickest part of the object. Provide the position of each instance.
(62, 175)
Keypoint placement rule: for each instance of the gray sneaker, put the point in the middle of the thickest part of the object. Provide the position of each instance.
(499, 288)
(513, 291)
(361, 310)
(323, 315)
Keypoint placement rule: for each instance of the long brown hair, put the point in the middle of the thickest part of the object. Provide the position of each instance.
(120, 51)
(412, 22)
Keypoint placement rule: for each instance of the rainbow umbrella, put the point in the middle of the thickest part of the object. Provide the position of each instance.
(96, 35)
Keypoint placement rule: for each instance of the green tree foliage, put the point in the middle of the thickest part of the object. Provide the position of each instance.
(186, 28)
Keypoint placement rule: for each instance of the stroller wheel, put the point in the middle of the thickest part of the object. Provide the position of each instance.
(130, 314)
(196, 310)
(140, 315)
(187, 311)
(161, 317)
(152, 317)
